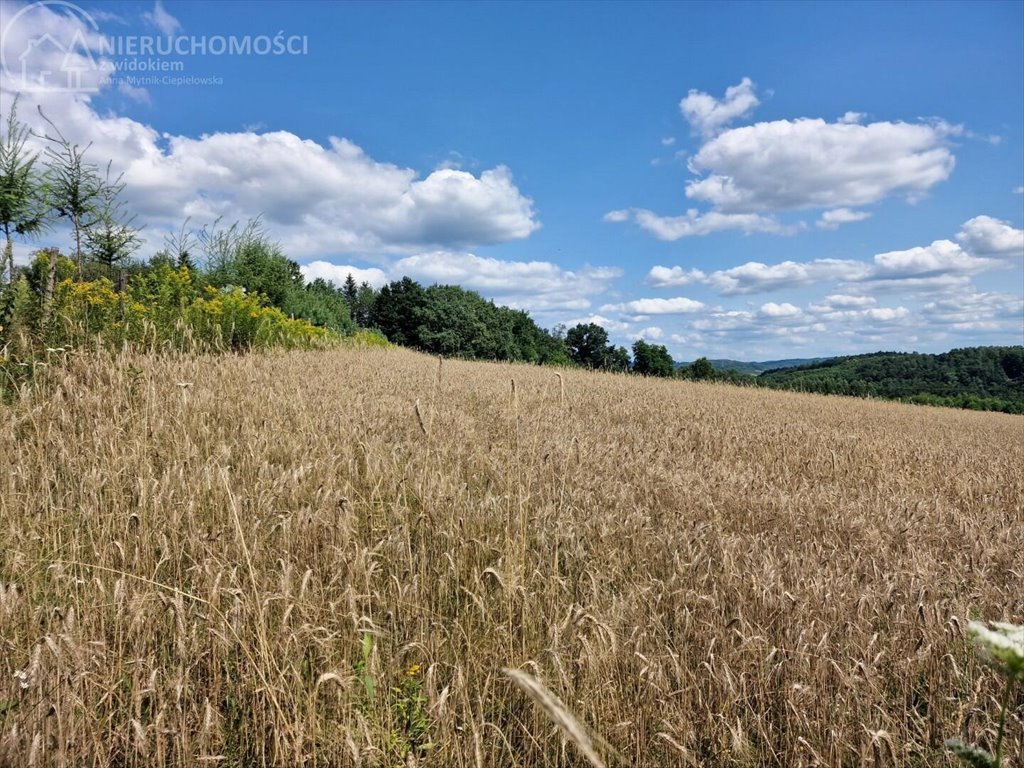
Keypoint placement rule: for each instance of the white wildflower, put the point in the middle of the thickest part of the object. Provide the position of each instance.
(1003, 645)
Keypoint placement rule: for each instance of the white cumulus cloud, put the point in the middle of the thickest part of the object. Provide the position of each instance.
(639, 307)
(652, 332)
(986, 236)
(608, 323)
(809, 163)
(837, 216)
(756, 277)
(841, 301)
(773, 310)
(706, 114)
(694, 223)
(886, 314)
(985, 244)
(747, 175)
(673, 277)
(617, 216)
(975, 310)
(318, 199)
(942, 257)
(337, 273)
(534, 285)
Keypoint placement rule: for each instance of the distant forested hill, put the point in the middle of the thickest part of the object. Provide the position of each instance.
(755, 368)
(985, 378)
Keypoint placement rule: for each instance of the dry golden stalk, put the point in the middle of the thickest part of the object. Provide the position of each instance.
(708, 575)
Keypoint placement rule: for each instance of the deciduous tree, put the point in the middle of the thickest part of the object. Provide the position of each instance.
(652, 359)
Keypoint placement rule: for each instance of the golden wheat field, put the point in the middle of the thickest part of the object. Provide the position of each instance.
(328, 559)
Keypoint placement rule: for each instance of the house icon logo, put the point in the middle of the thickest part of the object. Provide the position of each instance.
(44, 47)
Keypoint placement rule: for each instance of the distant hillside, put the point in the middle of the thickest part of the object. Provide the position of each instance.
(755, 368)
(985, 378)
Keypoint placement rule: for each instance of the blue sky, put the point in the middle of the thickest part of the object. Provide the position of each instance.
(733, 180)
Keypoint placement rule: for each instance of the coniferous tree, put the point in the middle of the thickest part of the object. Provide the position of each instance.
(112, 238)
(23, 209)
(351, 292)
(75, 188)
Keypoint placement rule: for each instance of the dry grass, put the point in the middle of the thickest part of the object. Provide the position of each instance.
(234, 561)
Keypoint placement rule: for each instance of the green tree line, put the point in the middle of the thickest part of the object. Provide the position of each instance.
(981, 378)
